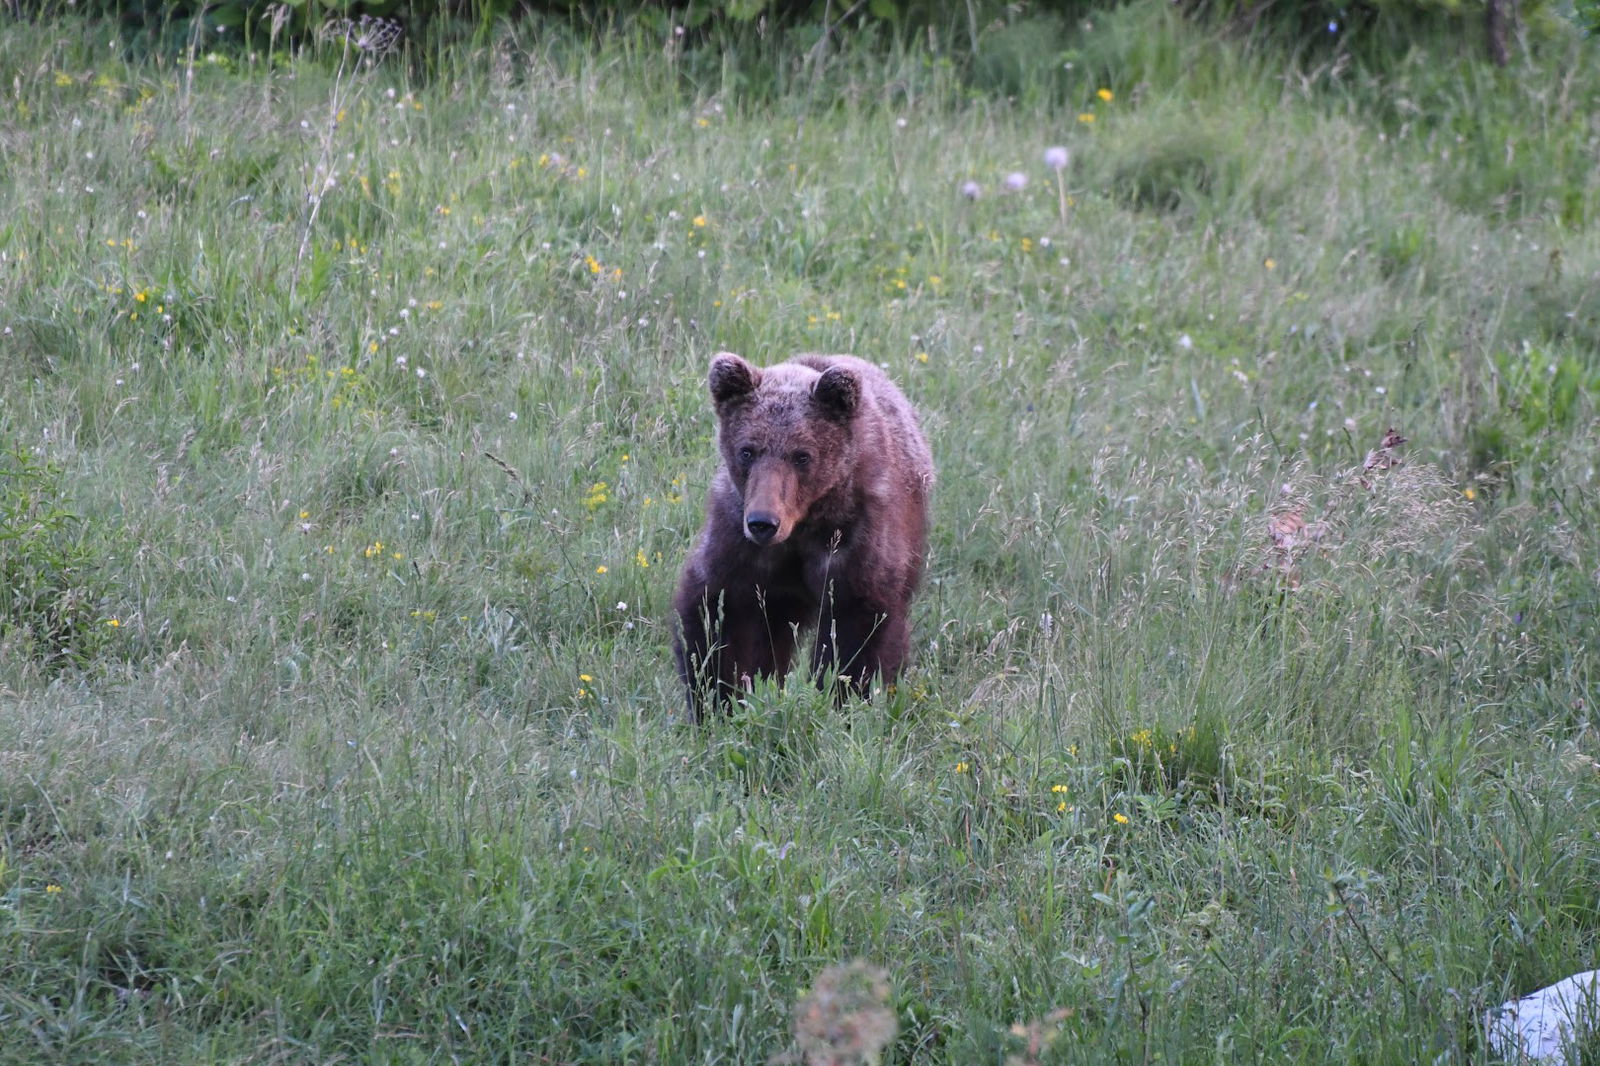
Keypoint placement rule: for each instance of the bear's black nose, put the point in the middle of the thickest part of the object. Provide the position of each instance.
(760, 526)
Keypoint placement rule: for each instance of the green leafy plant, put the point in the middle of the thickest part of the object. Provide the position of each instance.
(1538, 398)
(49, 586)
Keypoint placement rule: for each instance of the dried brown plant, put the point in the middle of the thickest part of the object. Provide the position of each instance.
(845, 1020)
(1385, 509)
(1037, 1036)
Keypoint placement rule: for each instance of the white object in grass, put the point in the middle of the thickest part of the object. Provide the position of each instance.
(1545, 1026)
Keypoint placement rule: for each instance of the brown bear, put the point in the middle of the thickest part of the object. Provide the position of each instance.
(817, 519)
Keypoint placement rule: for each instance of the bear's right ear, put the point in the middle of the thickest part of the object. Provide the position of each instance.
(732, 379)
(837, 392)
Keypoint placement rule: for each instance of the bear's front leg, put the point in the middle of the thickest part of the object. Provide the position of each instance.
(726, 639)
(861, 642)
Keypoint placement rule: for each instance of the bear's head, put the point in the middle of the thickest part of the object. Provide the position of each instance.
(787, 440)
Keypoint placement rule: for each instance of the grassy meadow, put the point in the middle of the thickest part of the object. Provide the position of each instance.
(353, 425)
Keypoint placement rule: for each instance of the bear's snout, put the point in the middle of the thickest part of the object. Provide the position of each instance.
(760, 526)
(771, 506)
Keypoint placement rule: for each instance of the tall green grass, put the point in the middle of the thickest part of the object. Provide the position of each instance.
(367, 404)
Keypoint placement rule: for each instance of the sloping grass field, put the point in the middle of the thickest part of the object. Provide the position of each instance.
(353, 425)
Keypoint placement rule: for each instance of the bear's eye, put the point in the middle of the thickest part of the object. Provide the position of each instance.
(801, 459)
(747, 455)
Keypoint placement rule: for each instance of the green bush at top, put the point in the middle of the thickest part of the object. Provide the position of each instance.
(993, 37)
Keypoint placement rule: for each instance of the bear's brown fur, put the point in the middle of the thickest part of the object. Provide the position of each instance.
(817, 519)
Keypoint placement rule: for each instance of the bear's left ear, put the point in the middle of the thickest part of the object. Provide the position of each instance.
(731, 379)
(837, 392)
